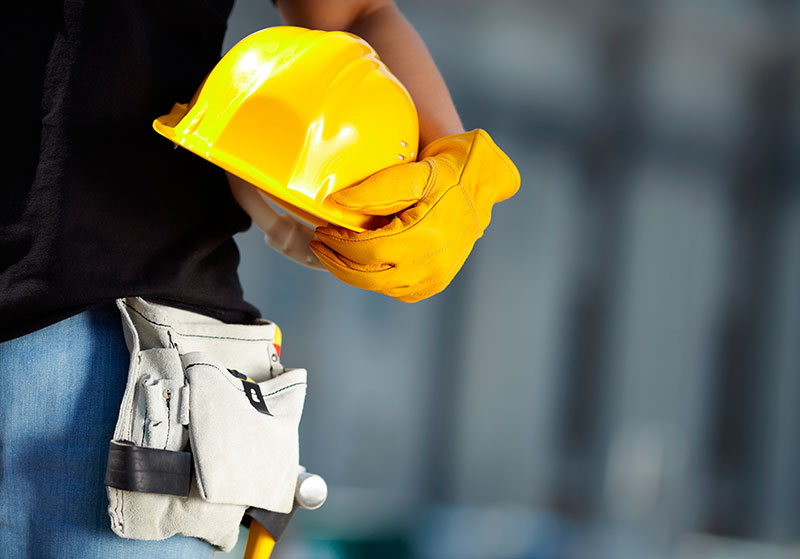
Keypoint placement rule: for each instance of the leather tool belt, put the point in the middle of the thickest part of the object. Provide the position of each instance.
(207, 428)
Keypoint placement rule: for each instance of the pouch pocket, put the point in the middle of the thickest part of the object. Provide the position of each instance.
(153, 423)
(161, 401)
(244, 434)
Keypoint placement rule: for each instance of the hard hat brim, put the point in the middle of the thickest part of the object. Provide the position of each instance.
(317, 214)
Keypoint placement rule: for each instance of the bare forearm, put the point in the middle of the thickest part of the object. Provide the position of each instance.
(399, 46)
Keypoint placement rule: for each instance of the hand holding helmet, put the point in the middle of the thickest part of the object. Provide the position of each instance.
(303, 116)
(442, 204)
(299, 114)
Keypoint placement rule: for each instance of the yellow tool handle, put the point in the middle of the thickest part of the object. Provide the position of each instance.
(259, 542)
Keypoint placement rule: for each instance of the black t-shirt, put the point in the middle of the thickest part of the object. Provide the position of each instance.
(94, 204)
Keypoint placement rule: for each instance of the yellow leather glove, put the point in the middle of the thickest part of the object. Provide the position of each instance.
(440, 205)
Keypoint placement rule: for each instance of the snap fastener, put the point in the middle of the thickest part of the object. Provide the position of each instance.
(274, 357)
(145, 378)
(167, 393)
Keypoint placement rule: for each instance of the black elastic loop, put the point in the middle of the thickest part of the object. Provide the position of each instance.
(149, 470)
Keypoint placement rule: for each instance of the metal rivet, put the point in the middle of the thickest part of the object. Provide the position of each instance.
(274, 357)
(145, 379)
(167, 393)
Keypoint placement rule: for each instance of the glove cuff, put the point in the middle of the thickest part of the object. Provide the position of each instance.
(489, 176)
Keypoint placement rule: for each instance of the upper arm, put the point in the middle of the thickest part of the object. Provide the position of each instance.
(328, 15)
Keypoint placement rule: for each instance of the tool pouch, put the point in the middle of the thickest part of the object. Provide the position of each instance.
(207, 426)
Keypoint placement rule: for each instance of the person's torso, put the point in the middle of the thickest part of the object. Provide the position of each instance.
(95, 204)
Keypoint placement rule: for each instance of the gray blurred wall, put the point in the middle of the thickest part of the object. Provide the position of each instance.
(620, 352)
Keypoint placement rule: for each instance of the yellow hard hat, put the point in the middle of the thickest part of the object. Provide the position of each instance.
(299, 114)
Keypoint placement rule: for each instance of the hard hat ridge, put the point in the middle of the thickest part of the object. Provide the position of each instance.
(299, 114)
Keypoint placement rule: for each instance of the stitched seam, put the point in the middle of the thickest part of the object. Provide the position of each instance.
(434, 174)
(403, 200)
(197, 335)
(400, 232)
(466, 252)
(335, 263)
(144, 317)
(287, 387)
(144, 427)
(472, 209)
(443, 248)
(458, 262)
(223, 337)
(497, 152)
(136, 364)
(431, 180)
(116, 506)
(225, 375)
(375, 207)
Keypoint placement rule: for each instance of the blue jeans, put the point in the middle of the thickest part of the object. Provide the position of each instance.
(60, 391)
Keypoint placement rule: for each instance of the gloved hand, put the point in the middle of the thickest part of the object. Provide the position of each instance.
(441, 205)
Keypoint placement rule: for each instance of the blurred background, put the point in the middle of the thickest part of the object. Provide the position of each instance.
(616, 370)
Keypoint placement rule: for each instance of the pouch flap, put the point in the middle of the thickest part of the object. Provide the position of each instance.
(244, 434)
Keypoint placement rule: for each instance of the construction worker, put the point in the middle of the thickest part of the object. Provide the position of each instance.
(96, 207)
